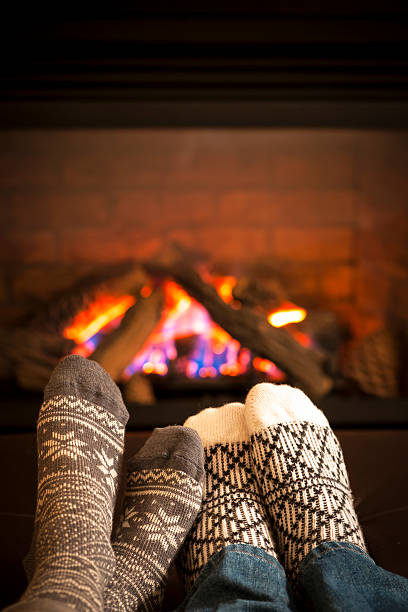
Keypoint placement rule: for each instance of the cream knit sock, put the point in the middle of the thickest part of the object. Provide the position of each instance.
(300, 468)
(231, 511)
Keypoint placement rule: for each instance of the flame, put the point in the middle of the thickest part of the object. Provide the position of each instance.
(281, 317)
(268, 367)
(302, 338)
(146, 291)
(101, 312)
(224, 286)
(213, 350)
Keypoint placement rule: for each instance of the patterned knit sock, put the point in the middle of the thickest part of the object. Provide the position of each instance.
(232, 511)
(163, 496)
(80, 436)
(300, 468)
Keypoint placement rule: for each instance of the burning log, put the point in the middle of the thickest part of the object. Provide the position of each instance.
(130, 281)
(327, 333)
(252, 293)
(119, 280)
(117, 350)
(34, 355)
(373, 364)
(303, 366)
(185, 345)
(138, 389)
(32, 352)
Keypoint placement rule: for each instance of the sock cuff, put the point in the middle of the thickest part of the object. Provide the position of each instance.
(220, 425)
(174, 447)
(268, 405)
(86, 379)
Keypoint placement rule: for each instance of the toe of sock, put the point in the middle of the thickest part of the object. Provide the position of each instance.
(268, 404)
(220, 425)
(86, 379)
(174, 447)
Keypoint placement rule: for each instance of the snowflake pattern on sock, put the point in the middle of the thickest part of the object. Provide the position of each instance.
(160, 506)
(107, 467)
(80, 447)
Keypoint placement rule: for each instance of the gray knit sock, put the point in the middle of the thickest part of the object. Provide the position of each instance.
(163, 496)
(80, 436)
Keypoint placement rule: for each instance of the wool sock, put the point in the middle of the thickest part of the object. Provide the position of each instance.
(163, 496)
(300, 468)
(80, 436)
(231, 511)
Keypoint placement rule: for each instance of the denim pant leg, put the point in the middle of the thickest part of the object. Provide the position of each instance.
(338, 576)
(240, 577)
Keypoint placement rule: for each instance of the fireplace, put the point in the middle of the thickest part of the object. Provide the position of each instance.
(268, 144)
(313, 217)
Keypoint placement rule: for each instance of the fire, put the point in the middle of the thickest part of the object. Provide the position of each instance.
(264, 365)
(146, 291)
(224, 286)
(279, 318)
(211, 350)
(101, 312)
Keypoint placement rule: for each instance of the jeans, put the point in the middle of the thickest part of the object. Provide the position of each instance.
(335, 576)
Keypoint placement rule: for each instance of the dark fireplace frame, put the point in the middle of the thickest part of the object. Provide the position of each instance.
(19, 411)
(208, 66)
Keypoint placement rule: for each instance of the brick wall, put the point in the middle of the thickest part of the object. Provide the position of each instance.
(326, 210)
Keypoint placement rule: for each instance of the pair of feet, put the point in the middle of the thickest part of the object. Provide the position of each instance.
(74, 561)
(275, 478)
(271, 475)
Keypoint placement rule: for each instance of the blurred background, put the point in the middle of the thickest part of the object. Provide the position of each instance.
(269, 143)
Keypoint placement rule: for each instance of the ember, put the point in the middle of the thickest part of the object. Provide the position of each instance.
(293, 314)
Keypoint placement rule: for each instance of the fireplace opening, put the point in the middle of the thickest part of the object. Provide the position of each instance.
(163, 336)
(290, 264)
